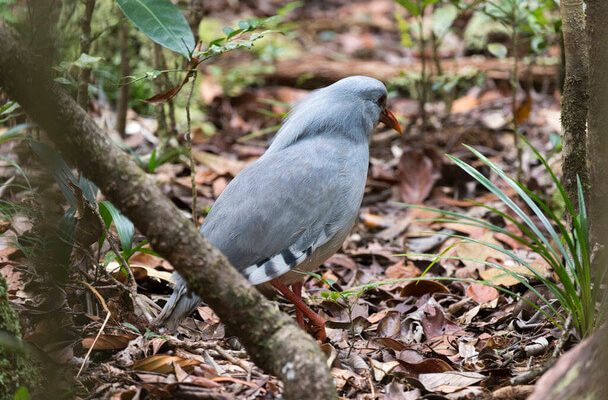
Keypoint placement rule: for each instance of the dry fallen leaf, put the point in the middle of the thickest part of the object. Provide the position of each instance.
(505, 278)
(417, 289)
(481, 293)
(417, 174)
(163, 363)
(108, 341)
(219, 164)
(474, 254)
(449, 382)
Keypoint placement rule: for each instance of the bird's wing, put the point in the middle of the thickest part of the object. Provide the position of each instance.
(278, 210)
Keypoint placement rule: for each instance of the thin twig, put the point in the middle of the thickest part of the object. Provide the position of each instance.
(190, 152)
(103, 325)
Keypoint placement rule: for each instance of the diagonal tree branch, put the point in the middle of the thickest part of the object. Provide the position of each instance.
(271, 338)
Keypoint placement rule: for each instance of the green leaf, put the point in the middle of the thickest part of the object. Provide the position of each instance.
(22, 394)
(498, 49)
(9, 107)
(162, 22)
(124, 227)
(63, 81)
(411, 6)
(14, 133)
(152, 162)
(86, 61)
(131, 327)
(443, 18)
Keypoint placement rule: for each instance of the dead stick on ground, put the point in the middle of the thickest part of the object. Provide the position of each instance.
(103, 325)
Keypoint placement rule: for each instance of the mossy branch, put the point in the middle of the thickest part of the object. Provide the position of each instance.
(274, 342)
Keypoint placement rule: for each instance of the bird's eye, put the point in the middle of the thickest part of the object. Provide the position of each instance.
(382, 101)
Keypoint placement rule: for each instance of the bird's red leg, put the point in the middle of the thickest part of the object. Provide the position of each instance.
(296, 288)
(313, 317)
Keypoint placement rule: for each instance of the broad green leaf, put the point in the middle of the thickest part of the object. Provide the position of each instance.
(124, 227)
(162, 22)
(443, 18)
(498, 49)
(9, 107)
(411, 6)
(22, 394)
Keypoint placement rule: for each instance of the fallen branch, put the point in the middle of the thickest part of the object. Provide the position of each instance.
(319, 71)
(274, 342)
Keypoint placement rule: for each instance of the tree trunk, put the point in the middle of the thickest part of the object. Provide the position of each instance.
(574, 98)
(274, 342)
(578, 374)
(597, 31)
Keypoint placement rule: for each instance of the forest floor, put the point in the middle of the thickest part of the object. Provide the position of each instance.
(442, 339)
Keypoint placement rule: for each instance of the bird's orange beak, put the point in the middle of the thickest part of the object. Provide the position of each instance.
(390, 121)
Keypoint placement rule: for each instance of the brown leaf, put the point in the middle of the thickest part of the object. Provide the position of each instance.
(381, 369)
(501, 277)
(417, 174)
(391, 343)
(219, 164)
(417, 289)
(523, 109)
(481, 293)
(474, 254)
(390, 325)
(375, 221)
(434, 322)
(401, 270)
(342, 260)
(150, 260)
(163, 363)
(426, 366)
(465, 103)
(108, 341)
(449, 382)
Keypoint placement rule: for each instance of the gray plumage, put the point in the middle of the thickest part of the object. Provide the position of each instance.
(292, 209)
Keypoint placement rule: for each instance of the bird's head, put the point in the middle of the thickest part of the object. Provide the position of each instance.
(351, 107)
(367, 94)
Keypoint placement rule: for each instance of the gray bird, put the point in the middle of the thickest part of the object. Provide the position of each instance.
(289, 211)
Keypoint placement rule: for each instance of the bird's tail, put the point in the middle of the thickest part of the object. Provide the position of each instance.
(179, 306)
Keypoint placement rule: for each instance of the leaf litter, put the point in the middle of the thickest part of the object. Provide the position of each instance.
(453, 338)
